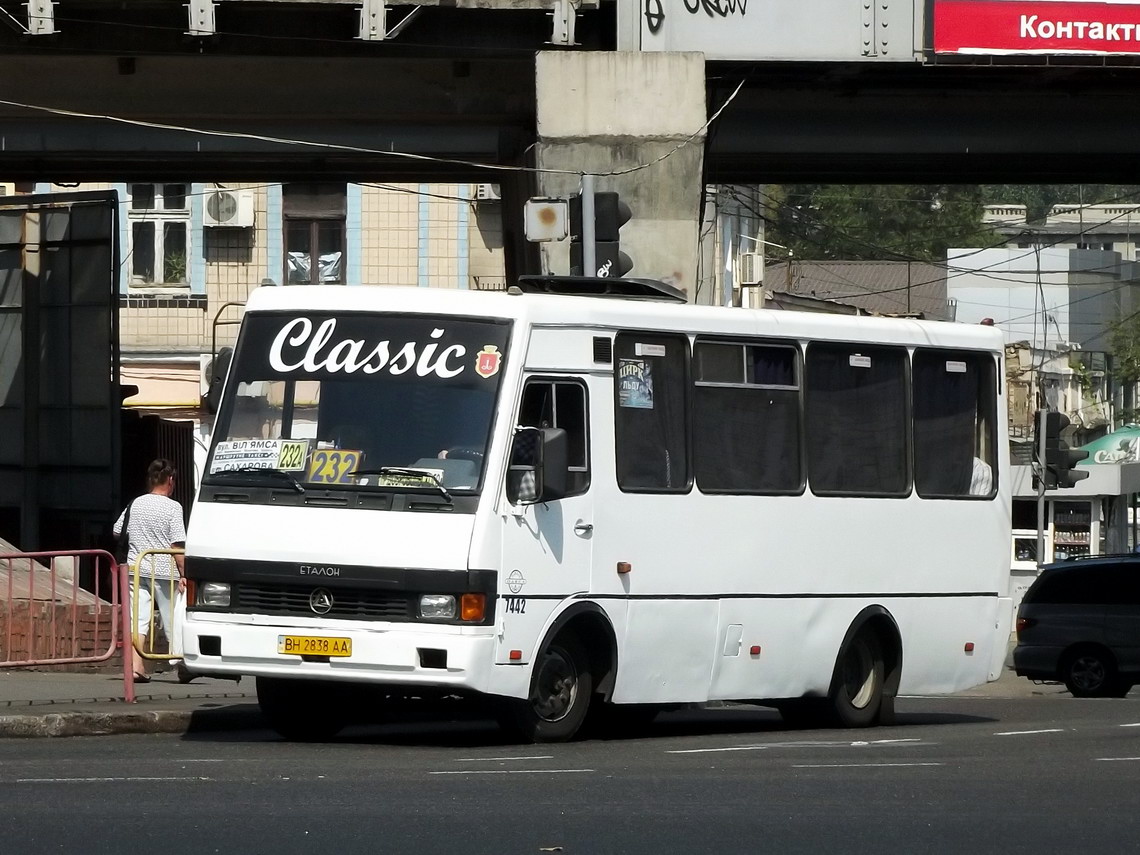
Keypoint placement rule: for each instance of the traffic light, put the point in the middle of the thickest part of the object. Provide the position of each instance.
(610, 214)
(1057, 468)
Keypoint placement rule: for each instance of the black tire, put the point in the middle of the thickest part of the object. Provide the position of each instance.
(857, 685)
(1090, 672)
(560, 691)
(302, 710)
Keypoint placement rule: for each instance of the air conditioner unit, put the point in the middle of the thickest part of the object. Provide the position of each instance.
(487, 193)
(7, 189)
(205, 370)
(229, 209)
(750, 268)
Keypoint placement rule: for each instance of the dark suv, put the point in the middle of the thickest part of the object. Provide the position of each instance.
(1080, 624)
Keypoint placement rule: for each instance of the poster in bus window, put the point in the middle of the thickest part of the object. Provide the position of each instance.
(635, 384)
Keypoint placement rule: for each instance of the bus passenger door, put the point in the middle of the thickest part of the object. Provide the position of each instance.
(547, 546)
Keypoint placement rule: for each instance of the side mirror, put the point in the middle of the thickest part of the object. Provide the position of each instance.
(219, 367)
(537, 471)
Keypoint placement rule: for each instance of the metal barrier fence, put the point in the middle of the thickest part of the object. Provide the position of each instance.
(160, 592)
(48, 619)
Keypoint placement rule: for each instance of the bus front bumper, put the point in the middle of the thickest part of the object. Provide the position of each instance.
(393, 654)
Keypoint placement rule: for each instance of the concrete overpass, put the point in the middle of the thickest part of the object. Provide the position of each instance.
(94, 90)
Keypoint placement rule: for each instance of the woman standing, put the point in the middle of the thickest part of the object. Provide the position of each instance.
(155, 522)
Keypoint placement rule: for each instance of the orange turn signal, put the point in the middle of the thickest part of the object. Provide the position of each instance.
(191, 592)
(472, 606)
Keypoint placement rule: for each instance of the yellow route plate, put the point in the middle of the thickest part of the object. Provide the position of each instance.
(314, 645)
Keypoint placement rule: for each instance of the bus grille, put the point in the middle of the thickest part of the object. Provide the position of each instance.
(348, 603)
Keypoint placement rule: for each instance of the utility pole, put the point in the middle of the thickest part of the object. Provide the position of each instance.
(589, 245)
(1039, 465)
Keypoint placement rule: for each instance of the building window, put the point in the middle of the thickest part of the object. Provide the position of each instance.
(314, 224)
(159, 219)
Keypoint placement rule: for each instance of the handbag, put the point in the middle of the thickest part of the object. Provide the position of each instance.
(123, 544)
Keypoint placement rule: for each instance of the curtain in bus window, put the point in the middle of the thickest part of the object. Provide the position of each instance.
(650, 422)
(746, 440)
(856, 419)
(746, 434)
(951, 406)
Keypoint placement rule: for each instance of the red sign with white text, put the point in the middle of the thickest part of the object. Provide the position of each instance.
(1036, 26)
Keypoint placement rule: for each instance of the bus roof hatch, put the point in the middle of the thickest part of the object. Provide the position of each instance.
(595, 286)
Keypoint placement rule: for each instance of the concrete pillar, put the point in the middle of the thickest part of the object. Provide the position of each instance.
(604, 113)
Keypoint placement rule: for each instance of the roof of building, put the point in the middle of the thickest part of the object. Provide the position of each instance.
(882, 287)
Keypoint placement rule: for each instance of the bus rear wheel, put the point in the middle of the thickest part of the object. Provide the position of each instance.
(856, 693)
(302, 710)
(560, 692)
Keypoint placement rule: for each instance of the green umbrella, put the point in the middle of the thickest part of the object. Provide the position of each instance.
(1120, 446)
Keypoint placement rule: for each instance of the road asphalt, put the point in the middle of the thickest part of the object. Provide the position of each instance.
(51, 703)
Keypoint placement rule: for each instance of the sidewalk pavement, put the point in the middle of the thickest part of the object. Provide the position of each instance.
(51, 703)
(48, 703)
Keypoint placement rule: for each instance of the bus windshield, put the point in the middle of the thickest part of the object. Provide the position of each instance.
(367, 401)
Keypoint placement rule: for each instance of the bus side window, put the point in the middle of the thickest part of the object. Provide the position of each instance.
(651, 412)
(955, 441)
(561, 404)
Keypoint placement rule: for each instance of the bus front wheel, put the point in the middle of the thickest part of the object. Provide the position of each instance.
(560, 692)
(856, 693)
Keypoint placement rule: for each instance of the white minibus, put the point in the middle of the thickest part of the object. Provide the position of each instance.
(586, 494)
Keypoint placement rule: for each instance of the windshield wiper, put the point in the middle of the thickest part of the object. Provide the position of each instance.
(279, 474)
(409, 471)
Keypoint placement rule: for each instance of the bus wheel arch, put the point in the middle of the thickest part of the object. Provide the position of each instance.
(590, 623)
(577, 658)
(868, 668)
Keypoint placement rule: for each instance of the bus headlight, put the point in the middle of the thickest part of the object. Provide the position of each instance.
(437, 606)
(214, 594)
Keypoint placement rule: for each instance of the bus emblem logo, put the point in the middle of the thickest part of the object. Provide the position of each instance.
(515, 581)
(487, 361)
(321, 601)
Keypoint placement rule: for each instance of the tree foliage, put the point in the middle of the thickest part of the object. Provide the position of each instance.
(915, 222)
(1125, 344)
(889, 222)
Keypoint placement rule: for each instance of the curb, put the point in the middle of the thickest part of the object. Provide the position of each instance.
(241, 717)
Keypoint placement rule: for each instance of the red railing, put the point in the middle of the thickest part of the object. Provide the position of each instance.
(47, 618)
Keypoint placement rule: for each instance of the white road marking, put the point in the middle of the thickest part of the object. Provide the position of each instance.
(885, 741)
(104, 780)
(857, 765)
(1109, 759)
(1134, 724)
(502, 759)
(1028, 732)
(510, 771)
(815, 744)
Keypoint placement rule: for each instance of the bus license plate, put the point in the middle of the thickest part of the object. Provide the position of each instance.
(314, 645)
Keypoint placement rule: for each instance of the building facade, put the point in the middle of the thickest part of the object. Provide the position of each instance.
(190, 254)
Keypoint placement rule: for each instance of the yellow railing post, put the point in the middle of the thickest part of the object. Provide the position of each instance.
(136, 640)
